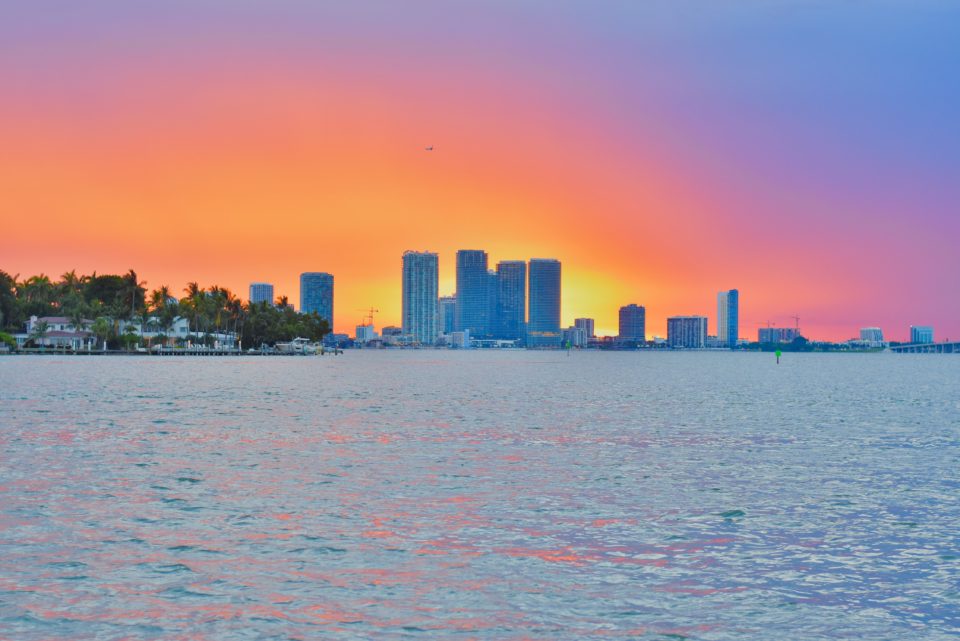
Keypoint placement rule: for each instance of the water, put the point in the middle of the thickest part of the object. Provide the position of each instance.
(450, 495)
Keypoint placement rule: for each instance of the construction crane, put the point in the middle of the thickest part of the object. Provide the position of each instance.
(368, 319)
(797, 320)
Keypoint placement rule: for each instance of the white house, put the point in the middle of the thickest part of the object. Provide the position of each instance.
(59, 332)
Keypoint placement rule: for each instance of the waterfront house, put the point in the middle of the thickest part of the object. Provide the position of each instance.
(56, 332)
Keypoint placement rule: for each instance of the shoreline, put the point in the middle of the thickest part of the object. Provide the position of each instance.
(53, 352)
(234, 353)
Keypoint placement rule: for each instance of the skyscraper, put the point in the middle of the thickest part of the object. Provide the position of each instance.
(728, 317)
(446, 314)
(261, 292)
(493, 298)
(633, 323)
(921, 334)
(687, 331)
(586, 324)
(420, 283)
(316, 294)
(473, 300)
(512, 299)
(543, 328)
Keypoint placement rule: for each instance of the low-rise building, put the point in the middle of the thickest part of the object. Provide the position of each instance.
(460, 340)
(714, 342)
(365, 334)
(574, 337)
(777, 334)
(587, 325)
(922, 334)
(872, 336)
(687, 332)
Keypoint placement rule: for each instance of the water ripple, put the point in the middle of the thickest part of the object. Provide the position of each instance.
(515, 495)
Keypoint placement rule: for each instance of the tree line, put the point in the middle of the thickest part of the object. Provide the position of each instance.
(104, 303)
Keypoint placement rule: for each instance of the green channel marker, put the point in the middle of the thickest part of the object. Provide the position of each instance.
(778, 357)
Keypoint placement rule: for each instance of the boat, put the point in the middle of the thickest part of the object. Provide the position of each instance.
(298, 346)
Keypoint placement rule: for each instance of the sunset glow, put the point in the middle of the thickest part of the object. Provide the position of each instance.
(808, 156)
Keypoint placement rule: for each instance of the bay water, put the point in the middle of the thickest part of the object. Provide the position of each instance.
(480, 495)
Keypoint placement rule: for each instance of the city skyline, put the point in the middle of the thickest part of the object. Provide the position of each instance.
(606, 320)
(238, 143)
(502, 293)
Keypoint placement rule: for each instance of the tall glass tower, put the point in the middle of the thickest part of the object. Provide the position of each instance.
(473, 298)
(728, 317)
(511, 299)
(420, 284)
(316, 294)
(543, 329)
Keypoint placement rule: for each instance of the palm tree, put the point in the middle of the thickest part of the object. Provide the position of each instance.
(9, 304)
(144, 317)
(235, 305)
(168, 316)
(133, 290)
(93, 309)
(130, 337)
(164, 312)
(72, 284)
(215, 305)
(37, 293)
(76, 316)
(204, 303)
(154, 327)
(192, 304)
(8, 340)
(102, 328)
(38, 332)
(159, 298)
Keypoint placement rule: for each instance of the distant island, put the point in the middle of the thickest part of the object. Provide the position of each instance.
(116, 312)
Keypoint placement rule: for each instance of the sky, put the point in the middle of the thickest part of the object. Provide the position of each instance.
(806, 153)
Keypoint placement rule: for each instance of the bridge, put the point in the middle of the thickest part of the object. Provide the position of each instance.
(927, 348)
